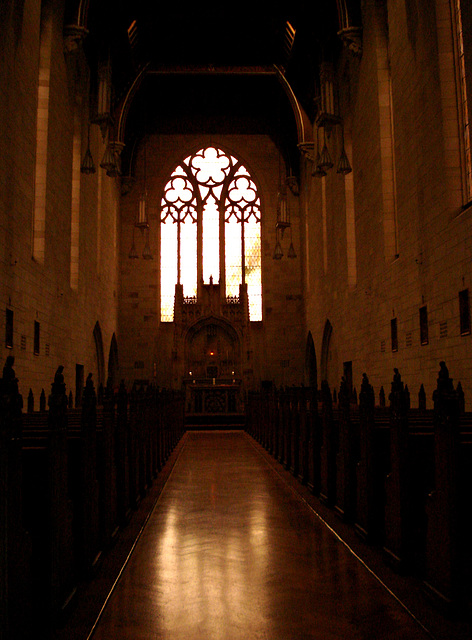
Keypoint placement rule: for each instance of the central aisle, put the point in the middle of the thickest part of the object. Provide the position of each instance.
(230, 552)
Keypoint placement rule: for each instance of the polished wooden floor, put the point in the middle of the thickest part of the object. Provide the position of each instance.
(231, 552)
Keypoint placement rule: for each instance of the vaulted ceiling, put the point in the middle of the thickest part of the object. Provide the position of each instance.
(213, 66)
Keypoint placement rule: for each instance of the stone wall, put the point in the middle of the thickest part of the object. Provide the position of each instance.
(277, 344)
(433, 231)
(40, 289)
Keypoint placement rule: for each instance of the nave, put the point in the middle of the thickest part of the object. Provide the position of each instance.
(230, 552)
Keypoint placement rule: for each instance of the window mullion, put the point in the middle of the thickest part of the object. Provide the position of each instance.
(178, 248)
(199, 245)
(221, 211)
(243, 252)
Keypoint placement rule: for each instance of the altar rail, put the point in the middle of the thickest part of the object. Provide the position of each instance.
(401, 477)
(70, 481)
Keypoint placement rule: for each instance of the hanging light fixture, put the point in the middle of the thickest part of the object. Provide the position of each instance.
(291, 250)
(325, 159)
(328, 117)
(142, 221)
(278, 253)
(87, 165)
(147, 255)
(133, 254)
(283, 213)
(109, 161)
(343, 164)
(103, 115)
(318, 172)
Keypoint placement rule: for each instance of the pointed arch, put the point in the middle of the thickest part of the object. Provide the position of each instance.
(304, 128)
(76, 13)
(327, 332)
(349, 13)
(311, 372)
(97, 336)
(213, 343)
(113, 364)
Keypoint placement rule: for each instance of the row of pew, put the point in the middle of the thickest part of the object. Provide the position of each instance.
(70, 481)
(402, 477)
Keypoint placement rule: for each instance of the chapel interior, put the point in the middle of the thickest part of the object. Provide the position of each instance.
(254, 210)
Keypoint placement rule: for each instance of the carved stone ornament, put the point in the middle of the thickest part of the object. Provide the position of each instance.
(127, 183)
(74, 35)
(306, 149)
(292, 183)
(352, 39)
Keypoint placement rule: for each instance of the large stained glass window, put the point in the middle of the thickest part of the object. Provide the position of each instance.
(210, 229)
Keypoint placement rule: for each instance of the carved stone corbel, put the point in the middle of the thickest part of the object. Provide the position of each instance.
(74, 35)
(306, 149)
(292, 183)
(352, 40)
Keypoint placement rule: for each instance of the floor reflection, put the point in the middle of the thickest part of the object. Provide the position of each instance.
(231, 552)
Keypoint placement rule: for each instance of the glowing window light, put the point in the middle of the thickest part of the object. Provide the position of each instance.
(194, 193)
(211, 242)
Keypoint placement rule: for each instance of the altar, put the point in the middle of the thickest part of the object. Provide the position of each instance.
(215, 403)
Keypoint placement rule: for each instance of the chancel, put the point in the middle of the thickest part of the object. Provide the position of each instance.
(236, 261)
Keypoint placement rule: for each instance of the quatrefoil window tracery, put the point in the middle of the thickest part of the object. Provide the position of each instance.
(206, 196)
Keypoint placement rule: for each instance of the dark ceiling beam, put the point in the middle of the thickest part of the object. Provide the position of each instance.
(213, 70)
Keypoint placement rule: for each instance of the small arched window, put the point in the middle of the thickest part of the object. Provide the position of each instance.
(210, 230)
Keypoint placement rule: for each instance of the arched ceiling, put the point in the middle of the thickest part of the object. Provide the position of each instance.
(242, 67)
